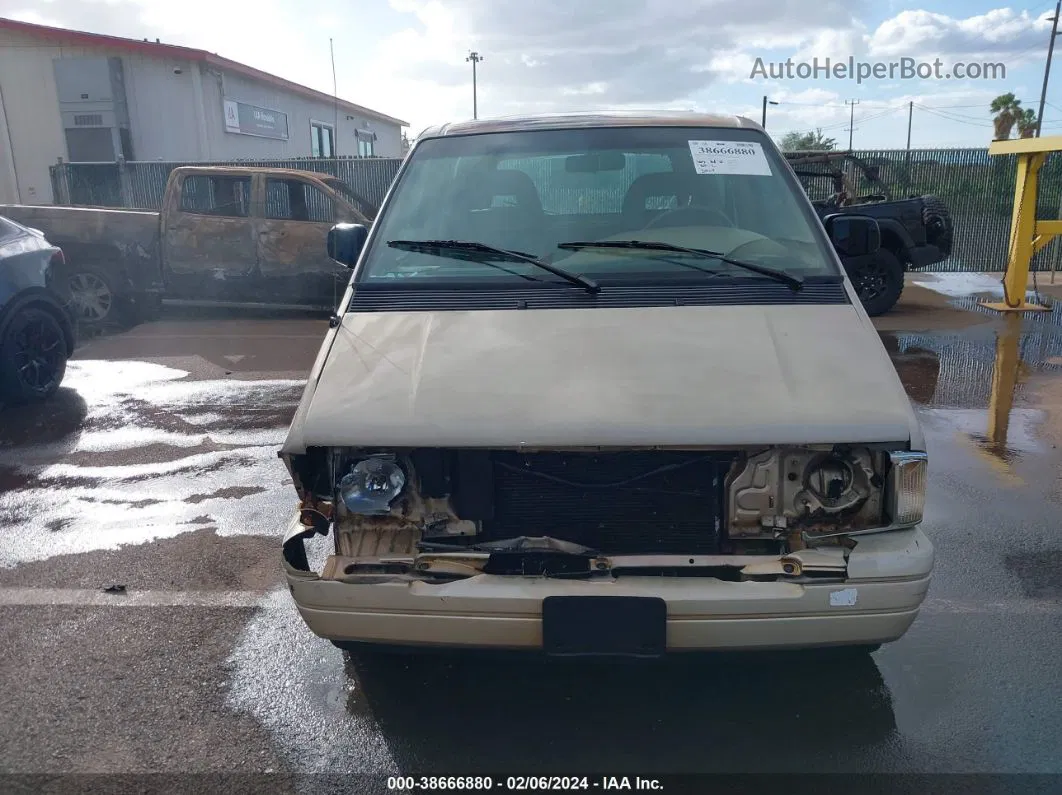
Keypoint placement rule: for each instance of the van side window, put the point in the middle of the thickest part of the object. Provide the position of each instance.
(295, 200)
(210, 195)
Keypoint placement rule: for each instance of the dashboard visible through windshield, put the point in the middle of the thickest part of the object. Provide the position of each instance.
(722, 190)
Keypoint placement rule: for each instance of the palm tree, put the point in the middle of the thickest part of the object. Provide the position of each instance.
(1027, 123)
(1007, 109)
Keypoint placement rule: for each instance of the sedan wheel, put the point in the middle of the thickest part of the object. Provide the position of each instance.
(33, 356)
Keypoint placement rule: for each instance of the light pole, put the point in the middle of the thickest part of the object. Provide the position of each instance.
(763, 120)
(1047, 66)
(475, 58)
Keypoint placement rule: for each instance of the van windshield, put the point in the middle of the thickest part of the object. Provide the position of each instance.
(718, 189)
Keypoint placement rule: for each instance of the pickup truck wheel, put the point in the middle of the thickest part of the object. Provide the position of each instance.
(33, 357)
(91, 296)
(878, 282)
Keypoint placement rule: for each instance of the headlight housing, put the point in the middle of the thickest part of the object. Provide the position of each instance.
(834, 484)
(906, 492)
(372, 485)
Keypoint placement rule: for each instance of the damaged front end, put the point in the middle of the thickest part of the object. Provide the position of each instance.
(435, 516)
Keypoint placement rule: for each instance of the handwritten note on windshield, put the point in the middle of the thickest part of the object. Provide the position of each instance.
(730, 157)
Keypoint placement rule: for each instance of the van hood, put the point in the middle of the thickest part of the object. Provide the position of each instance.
(669, 377)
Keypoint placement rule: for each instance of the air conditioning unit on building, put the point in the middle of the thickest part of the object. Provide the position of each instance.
(92, 105)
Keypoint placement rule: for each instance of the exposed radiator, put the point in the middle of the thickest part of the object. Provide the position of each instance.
(624, 502)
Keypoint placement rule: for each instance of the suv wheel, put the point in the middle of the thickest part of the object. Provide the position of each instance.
(938, 224)
(32, 357)
(878, 282)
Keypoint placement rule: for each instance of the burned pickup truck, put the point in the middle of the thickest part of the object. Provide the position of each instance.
(224, 234)
(916, 231)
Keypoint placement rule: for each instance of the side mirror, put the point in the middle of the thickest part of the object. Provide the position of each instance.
(853, 235)
(345, 242)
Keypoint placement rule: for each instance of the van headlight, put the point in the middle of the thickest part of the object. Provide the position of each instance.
(372, 485)
(835, 484)
(906, 488)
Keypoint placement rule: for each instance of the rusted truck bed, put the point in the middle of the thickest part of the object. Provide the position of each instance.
(112, 256)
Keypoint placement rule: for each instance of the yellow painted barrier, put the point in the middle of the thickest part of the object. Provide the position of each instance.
(1007, 372)
(1027, 235)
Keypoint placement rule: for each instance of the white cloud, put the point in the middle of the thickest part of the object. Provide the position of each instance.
(922, 33)
(833, 44)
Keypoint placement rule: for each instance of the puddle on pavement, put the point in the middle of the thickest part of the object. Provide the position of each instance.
(983, 381)
(377, 713)
(294, 684)
(131, 452)
(1040, 573)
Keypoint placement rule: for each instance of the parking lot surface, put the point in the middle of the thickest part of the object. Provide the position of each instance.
(147, 629)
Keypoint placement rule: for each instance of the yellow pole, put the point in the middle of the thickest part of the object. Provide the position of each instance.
(1004, 382)
(1026, 235)
(1022, 232)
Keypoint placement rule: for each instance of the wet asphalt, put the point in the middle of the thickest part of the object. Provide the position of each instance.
(154, 474)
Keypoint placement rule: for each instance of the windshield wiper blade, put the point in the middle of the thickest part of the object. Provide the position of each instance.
(445, 248)
(794, 282)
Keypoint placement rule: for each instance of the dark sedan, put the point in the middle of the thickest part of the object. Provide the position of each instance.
(36, 333)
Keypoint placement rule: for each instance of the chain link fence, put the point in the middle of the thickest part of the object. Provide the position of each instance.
(965, 363)
(977, 188)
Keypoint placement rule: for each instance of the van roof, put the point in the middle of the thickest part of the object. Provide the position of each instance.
(566, 121)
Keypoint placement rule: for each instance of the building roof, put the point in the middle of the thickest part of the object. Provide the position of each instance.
(158, 50)
(564, 121)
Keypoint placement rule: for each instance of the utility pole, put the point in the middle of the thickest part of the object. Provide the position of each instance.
(910, 117)
(763, 119)
(475, 58)
(1047, 66)
(851, 119)
(907, 157)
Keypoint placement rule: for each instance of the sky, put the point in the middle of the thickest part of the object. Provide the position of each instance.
(407, 58)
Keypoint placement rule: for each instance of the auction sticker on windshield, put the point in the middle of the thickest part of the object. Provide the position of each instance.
(730, 157)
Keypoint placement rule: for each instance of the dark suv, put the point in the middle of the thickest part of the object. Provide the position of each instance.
(915, 232)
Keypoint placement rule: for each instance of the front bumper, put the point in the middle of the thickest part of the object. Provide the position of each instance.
(887, 580)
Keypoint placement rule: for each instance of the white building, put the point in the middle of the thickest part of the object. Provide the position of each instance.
(86, 97)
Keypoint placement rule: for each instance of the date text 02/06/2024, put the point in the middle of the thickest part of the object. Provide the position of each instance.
(521, 783)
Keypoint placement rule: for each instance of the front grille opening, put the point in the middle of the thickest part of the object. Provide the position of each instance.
(623, 502)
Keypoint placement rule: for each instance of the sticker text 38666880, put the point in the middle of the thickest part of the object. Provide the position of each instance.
(730, 157)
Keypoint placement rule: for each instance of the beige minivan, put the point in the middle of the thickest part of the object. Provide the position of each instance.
(599, 386)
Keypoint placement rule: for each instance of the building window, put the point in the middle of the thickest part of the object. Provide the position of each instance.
(366, 142)
(322, 140)
(225, 196)
(295, 200)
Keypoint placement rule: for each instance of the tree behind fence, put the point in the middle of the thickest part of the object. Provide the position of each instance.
(977, 188)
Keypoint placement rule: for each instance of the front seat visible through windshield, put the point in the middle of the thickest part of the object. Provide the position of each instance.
(503, 209)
